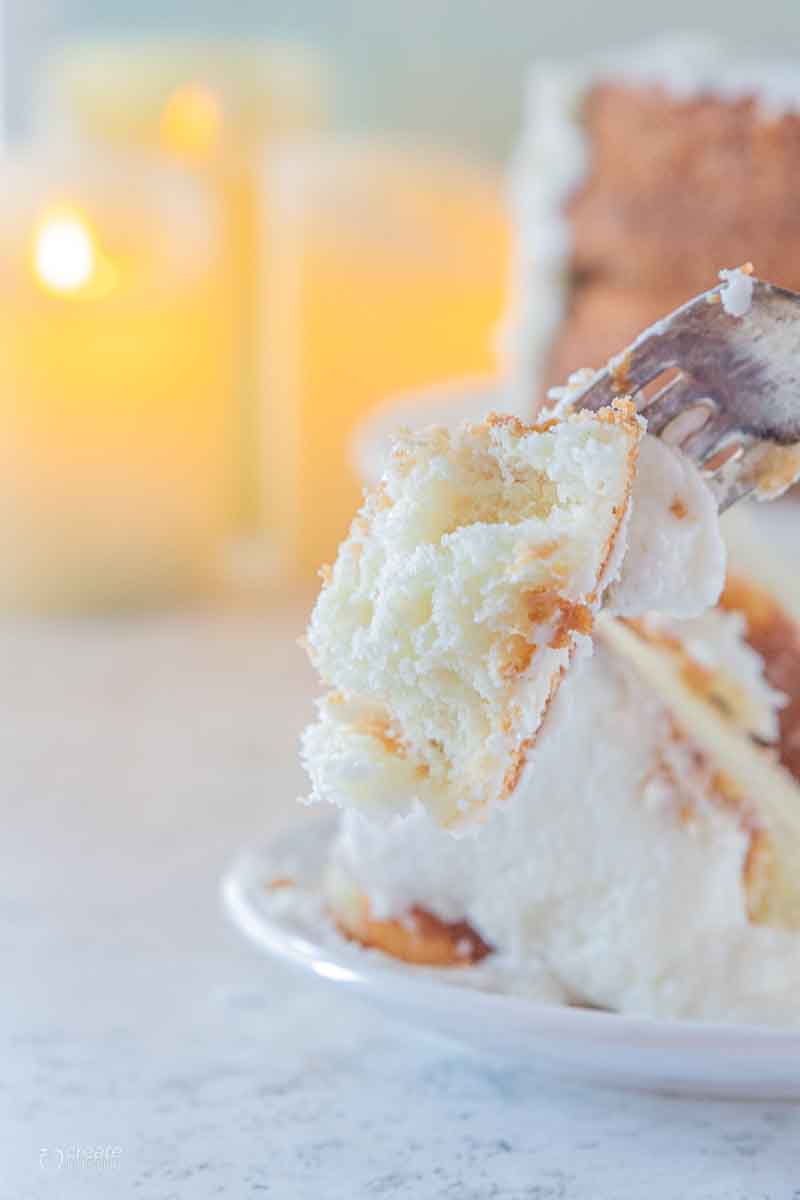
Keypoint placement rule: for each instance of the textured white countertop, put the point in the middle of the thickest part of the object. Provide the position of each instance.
(150, 1053)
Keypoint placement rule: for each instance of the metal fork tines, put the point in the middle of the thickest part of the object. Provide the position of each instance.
(725, 389)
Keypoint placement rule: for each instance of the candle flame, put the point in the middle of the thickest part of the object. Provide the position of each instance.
(67, 259)
(64, 253)
(191, 121)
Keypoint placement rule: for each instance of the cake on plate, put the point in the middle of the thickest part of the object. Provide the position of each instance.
(551, 732)
(561, 728)
(632, 872)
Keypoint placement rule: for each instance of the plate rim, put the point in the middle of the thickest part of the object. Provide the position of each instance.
(276, 936)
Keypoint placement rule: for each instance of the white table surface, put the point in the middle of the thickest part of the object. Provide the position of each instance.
(136, 757)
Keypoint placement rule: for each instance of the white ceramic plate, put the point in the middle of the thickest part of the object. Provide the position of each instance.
(289, 923)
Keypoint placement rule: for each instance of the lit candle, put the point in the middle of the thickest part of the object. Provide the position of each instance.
(214, 106)
(387, 273)
(114, 484)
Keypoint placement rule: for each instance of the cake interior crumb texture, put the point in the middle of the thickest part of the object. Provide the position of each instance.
(455, 605)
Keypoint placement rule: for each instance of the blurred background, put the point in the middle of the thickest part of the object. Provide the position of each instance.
(448, 69)
(230, 232)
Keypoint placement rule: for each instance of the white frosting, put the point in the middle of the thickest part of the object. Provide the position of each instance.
(688, 65)
(550, 162)
(588, 867)
(737, 292)
(552, 159)
(675, 560)
(715, 640)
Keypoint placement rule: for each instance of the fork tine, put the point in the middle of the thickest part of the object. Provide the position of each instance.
(626, 375)
(748, 365)
(682, 415)
(680, 396)
(733, 480)
(737, 388)
(715, 444)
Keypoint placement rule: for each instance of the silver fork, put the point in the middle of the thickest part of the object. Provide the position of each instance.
(733, 401)
(733, 406)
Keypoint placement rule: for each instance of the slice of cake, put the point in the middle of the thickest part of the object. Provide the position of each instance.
(628, 869)
(636, 176)
(638, 801)
(454, 608)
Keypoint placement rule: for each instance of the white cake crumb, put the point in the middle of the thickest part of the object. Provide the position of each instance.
(469, 579)
(737, 291)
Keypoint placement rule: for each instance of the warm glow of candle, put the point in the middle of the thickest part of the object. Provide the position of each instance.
(64, 253)
(66, 257)
(216, 107)
(385, 272)
(115, 380)
(191, 121)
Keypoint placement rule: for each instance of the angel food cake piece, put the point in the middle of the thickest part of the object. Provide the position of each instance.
(627, 870)
(627, 859)
(456, 604)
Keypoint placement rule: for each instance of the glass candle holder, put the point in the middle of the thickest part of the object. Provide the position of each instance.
(216, 107)
(387, 273)
(114, 385)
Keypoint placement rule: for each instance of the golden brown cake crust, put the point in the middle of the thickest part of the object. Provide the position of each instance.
(579, 618)
(776, 637)
(420, 938)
